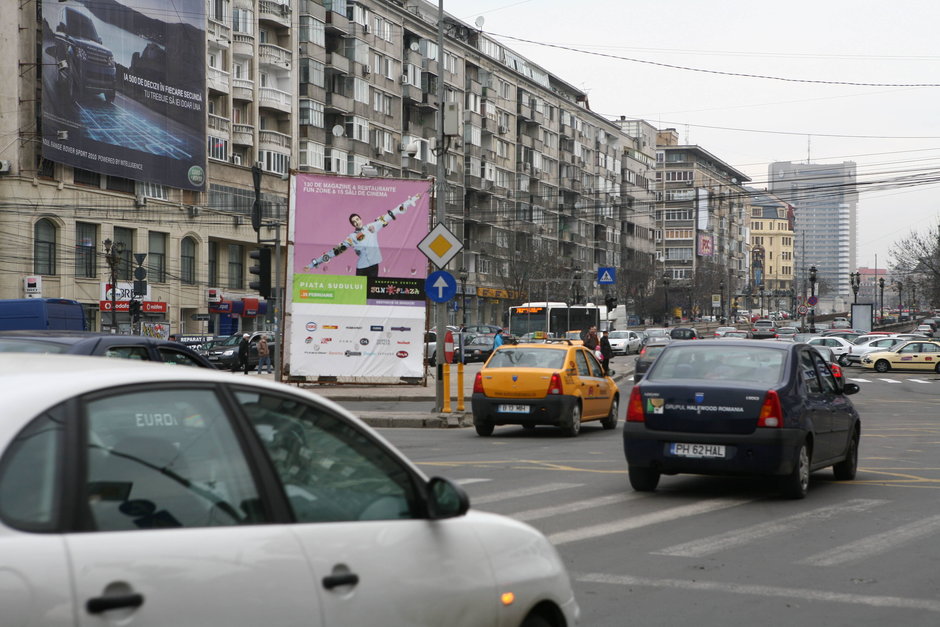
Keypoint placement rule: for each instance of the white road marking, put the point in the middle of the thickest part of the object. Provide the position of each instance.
(889, 380)
(875, 545)
(469, 481)
(854, 380)
(754, 533)
(920, 381)
(653, 518)
(515, 494)
(802, 594)
(577, 506)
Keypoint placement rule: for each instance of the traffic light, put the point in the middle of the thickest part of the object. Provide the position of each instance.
(263, 270)
(611, 302)
(133, 307)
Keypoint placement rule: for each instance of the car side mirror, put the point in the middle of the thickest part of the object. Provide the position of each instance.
(446, 499)
(850, 388)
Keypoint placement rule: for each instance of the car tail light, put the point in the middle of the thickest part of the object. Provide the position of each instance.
(836, 370)
(478, 384)
(635, 407)
(554, 386)
(771, 415)
(643, 351)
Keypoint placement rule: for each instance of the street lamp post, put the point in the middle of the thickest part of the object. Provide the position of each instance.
(900, 299)
(112, 255)
(462, 274)
(856, 280)
(812, 294)
(881, 307)
(761, 301)
(721, 300)
(666, 280)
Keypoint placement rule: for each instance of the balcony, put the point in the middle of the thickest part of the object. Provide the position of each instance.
(217, 80)
(275, 12)
(243, 45)
(337, 24)
(341, 143)
(275, 99)
(337, 103)
(337, 62)
(243, 134)
(275, 56)
(272, 140)
(243, 89)
(218, 33)
(220, 126)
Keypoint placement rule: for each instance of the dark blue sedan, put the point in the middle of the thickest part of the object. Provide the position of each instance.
(741, 407)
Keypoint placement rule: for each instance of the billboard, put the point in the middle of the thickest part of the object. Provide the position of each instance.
(355, 290)
(123, 84)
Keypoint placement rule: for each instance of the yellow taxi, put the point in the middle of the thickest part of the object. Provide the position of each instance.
(574, 336)
(557, 383)
(911, 355)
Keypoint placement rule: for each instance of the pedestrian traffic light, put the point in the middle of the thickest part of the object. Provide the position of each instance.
(263, 270)
(611, 302)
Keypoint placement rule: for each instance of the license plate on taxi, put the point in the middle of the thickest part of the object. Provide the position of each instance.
(680, 449)
(513, 409)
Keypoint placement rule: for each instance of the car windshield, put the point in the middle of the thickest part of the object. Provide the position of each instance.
(31, 346)
(619, 335)
(231, 341)
(657, 333)
(528, 358)
(700, 360)
(650, 352)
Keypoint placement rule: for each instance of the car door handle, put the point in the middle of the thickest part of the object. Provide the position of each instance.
(343, 579)
(98, 605)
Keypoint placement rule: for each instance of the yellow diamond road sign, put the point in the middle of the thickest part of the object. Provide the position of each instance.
(440, 245)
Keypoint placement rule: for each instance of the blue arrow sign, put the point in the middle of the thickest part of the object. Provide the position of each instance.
(440, 286)
(606, 276)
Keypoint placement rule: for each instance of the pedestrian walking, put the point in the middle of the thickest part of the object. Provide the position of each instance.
(243, 348)
(264, 356)
(607, 351)
(498, 339)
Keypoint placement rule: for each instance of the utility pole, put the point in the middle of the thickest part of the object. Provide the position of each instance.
(440, 206)
(112, 255)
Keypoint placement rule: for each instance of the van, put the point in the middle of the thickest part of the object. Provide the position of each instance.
(41, 313)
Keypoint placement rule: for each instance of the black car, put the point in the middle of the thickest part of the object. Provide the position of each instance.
(741, 407)
(478, 348)
(647, 356)
(683, 333)
(224, 355)
(135, 347)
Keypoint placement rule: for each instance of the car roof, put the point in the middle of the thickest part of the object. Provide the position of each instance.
(78, 337)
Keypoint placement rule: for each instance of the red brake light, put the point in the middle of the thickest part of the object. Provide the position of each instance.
(643, 351)
(478, 384)
(635, 407)
(554, 386)
(836, 370)
(771, 415)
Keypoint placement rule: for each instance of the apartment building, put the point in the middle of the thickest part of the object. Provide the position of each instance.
(771, 280)
(702, 218)
(539, 187)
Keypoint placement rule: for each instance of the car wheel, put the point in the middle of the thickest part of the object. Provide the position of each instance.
(882, 365)
(796, 484)
(610, 422)
(844, 360)
(574, 421)
(937, 368)
(484, 430)
(846, 469)
(535, 620)
(643, 479)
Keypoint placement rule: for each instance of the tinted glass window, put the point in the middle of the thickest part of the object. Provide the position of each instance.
(700, 360)
(528, 358)
(826, 379)
(166, 458)
(330, 470)
(19, 346)
(581, 361)
(173, 356)
(128, 352)
(808, 371)
(28, 475)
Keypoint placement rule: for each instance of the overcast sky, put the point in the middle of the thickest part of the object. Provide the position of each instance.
(890, 130)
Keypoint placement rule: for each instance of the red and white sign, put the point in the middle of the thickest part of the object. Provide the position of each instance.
(125, 291)
(124, 305)
(449, 347)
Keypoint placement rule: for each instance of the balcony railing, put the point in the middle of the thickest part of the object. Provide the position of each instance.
(275, 98)
(273, 139)
(269, 54)
(243, 89)
(217, 79)
(243, 134)
(218, 123)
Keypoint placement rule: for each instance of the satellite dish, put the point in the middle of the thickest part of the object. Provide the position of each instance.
(414, 46)
(338, 130)
(479, 22)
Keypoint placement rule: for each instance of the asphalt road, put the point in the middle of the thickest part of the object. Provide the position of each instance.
(716, 551)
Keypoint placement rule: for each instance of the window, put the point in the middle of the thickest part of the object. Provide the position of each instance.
(188, 261)
(173, 455)
(44, 243)
(312, 72)
(273, 161)
(311, 112)
(312, 30)
(330, 470)
(153, 190)
(86, 236)
(212, 263)
(85, 177)
(312, 155)
(217, 148)
(236, 267)
(119, 184)
(29, 475)
(156, 257)
(242, 21)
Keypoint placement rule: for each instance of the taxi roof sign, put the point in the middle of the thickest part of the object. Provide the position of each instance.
(440, 245)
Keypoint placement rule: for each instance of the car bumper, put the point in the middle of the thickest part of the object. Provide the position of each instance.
(765, 452)
(552, 411)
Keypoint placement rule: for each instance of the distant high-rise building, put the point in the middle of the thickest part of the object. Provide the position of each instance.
(826, 206)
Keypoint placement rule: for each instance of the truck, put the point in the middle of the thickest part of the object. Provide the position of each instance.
(41, 313)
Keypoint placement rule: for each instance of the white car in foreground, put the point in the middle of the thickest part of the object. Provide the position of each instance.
(624, 342)
(136, 494)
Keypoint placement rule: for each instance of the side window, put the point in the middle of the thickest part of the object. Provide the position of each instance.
(166, 458)
(29, 472)
(828, 381)
(172, 356)
(911, 348)
(581, 359)
(808, 371)
(128, 352)
(929, 348)
(330, 470)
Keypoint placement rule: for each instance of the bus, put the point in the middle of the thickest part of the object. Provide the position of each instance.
(555, 318)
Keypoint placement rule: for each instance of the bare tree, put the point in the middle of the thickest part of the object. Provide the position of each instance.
(916, 261)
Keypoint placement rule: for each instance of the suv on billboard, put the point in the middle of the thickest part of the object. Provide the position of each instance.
(88, 64)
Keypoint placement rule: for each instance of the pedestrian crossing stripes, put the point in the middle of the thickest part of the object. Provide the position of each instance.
(875, 545)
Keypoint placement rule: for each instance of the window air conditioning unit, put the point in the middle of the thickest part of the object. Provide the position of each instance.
(365, 29)
(366, 70)
(502, 130)
(193, 210)
(259, 165)
(403, 79)
(140, 200)
(236, 159)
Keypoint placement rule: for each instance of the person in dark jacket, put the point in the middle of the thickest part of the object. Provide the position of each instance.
(243, 352)
(607, 351)
(590, 340)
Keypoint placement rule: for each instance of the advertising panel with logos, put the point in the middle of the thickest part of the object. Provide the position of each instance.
(356, 277)
(124, 88)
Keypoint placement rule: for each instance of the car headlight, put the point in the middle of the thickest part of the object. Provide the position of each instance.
(229, 352)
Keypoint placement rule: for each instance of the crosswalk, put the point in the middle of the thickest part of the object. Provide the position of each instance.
(893, 381)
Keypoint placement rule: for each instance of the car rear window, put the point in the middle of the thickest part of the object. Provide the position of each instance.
(32, 346)
(743, 364)
(528, 358)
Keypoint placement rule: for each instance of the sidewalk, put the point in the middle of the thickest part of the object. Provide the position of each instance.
(622, 366)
